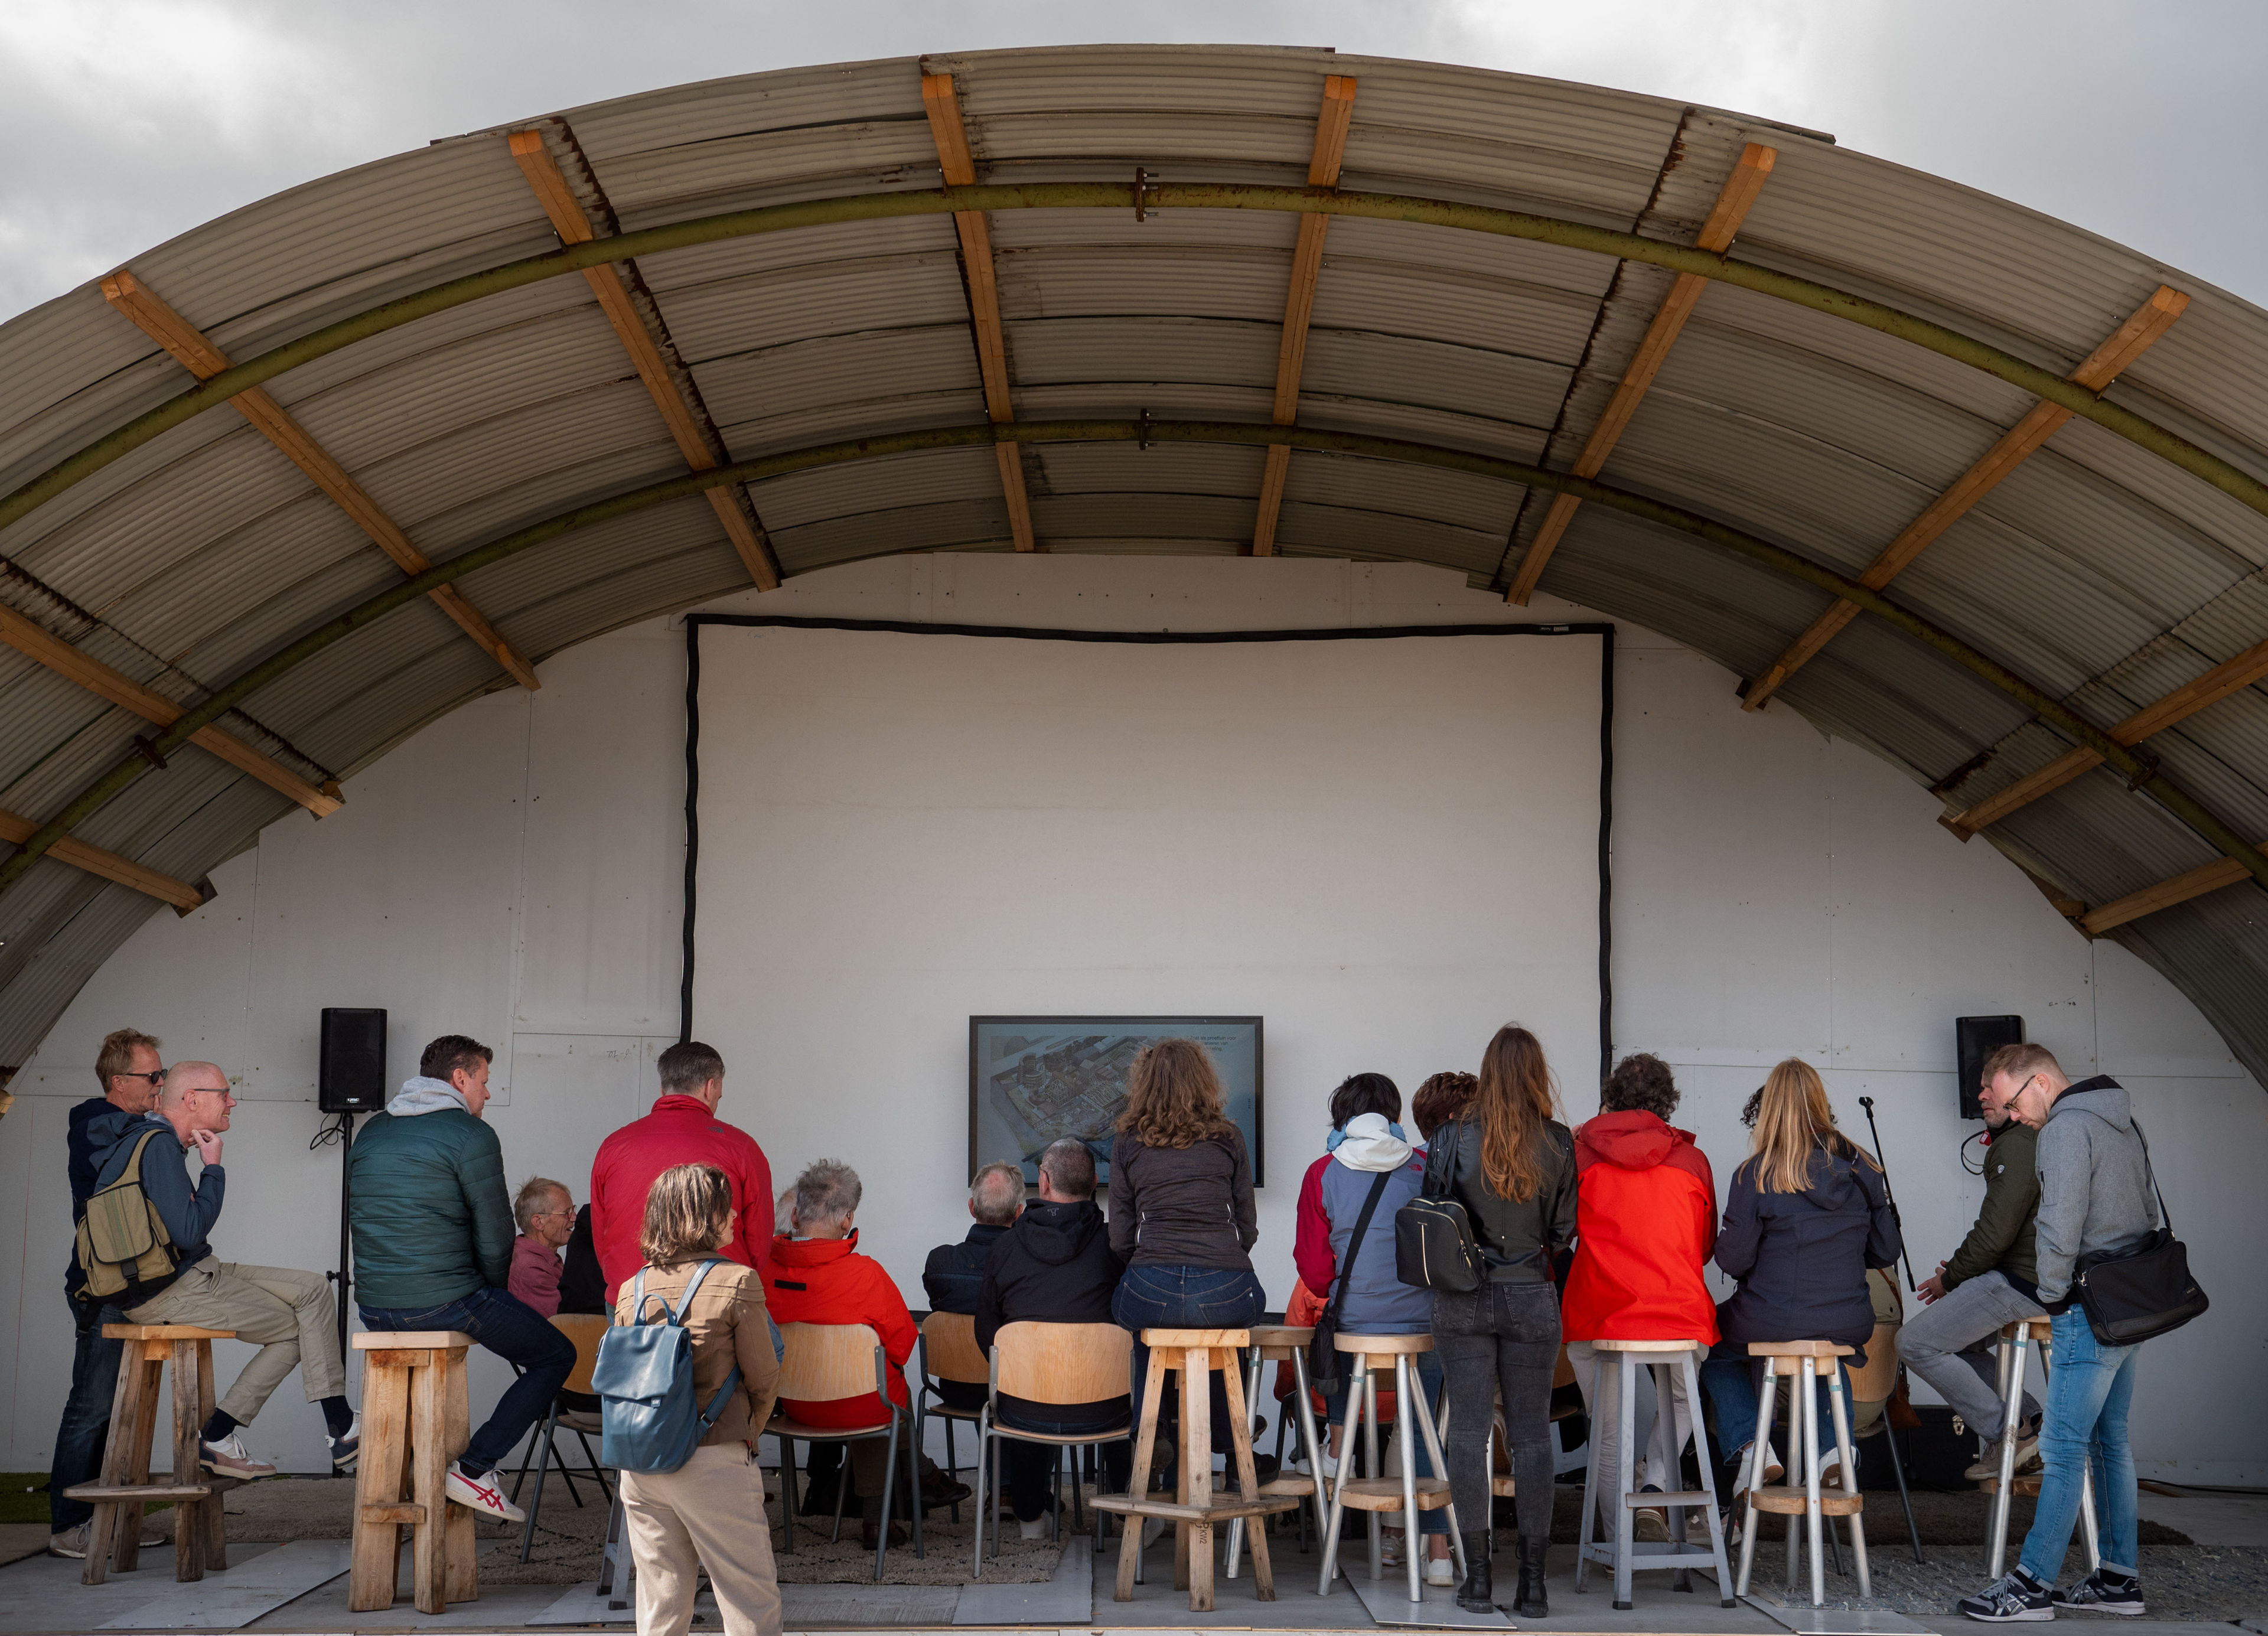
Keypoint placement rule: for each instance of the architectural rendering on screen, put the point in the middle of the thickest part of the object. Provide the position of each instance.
(1033, 1080)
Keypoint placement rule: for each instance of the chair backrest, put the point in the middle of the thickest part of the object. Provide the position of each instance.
(586, 1329)
(1063, 1363)
(1880, 1378)
(949, 1349)
(826, 1361)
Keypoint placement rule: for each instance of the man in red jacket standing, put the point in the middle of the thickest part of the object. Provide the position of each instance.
(684, 1128)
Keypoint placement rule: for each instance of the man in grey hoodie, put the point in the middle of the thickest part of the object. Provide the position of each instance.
(2095, 1202)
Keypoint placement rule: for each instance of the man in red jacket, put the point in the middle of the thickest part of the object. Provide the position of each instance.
(684, 1128)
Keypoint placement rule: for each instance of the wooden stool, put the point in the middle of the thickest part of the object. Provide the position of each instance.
(1626, 1554)
(416, 1420)
(1280, 1343)
(1194, 1511)
(2015, 1337)
(1408, 1494)
(1803, 1450)
(115, 1541)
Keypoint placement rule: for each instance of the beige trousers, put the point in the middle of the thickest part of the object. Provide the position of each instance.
(708, 1514)
(284, 1312)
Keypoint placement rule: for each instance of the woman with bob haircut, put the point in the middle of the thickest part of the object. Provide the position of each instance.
(1181, 1212)
(710, 1512)
(1512, 1166)
(1806, 1214)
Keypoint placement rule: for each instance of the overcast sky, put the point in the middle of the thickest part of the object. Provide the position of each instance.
(126, 122)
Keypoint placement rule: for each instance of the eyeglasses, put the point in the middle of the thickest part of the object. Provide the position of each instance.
(157, 1077)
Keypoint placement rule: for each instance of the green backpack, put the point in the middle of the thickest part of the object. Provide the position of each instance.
(124, 1246)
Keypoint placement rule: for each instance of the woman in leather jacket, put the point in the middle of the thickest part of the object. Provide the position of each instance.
(1512, 1166)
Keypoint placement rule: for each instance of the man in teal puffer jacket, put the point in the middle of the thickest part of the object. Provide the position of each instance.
(432, 1248)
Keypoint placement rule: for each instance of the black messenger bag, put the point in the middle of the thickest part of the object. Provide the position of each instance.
(2142, 1293)
(1433, 1243)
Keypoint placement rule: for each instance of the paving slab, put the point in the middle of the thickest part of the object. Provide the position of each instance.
(1388, 1602)
(1799, 1617)
(1066, 1599)
(42, 1593)
(18, 1540)
(2211, 1519)
(232, 1598)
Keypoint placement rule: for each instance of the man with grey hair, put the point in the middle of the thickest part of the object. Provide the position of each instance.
(286, 1313)
(954, 1272)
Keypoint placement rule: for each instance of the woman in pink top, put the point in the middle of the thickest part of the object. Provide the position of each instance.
(545, 1212)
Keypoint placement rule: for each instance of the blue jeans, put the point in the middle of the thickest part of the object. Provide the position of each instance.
(2089, 1387)
(1427, 1366)
(1732, 1383)
(1187, 1298)
(86, 1420)
(516, 1332)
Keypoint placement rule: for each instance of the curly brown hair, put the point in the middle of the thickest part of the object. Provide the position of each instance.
(1441, 1099)
(1640, 1083)
(1174, 1096)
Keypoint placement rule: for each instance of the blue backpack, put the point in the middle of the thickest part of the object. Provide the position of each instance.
(644, 1382)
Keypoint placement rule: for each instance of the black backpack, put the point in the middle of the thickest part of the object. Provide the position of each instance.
(1433, 1243)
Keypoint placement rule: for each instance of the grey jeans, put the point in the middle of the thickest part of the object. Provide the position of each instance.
(1936, 1344)
(1501, 1336)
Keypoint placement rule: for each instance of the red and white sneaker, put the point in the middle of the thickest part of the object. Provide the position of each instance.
(481, 1496)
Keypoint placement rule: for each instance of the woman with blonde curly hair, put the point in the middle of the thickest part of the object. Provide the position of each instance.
(1181, 1212)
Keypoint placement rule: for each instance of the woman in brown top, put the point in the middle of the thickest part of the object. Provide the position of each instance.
(710, 1512)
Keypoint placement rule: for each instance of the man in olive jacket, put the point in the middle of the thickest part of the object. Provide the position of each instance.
(1990, 1280)
(433, 1250)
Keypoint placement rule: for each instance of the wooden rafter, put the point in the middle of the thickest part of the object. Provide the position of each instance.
(2016, 445)
(959, 165)
(2197, 882)
(1331, 126)
(16, 829)
(1733, 200)
(201, 357)
(568, 220)
(46, 648)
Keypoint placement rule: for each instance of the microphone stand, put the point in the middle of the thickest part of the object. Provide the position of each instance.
(1867, 1102)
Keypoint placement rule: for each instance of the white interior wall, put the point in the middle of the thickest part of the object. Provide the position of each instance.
(514, 872)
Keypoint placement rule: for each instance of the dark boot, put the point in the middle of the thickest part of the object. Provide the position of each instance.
(1531, 1602)
(1477, 1594)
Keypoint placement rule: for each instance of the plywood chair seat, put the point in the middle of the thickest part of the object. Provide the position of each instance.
(804, 1431)
(1794, 1502)
(2016, 1486)
(1384, 1494)
(1799, 1349)
(1382, 1346)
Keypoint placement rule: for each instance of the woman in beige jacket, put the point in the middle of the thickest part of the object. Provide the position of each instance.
(710, 1512)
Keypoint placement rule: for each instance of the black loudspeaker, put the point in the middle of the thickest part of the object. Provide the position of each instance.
(352, 1077)
(1974, 1039)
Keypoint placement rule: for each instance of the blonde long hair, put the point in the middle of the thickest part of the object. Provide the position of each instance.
(1173, 1097)
(1792, 1121)
(1515, 1103)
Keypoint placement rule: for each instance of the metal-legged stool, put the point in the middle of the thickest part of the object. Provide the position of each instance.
(1408, 1494)
(2013, 1339)
(1806, 1501)
(1626, 1554)
(1277, 1343)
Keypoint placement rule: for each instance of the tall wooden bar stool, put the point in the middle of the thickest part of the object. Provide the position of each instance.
(1626, 1554)
(1408, 1493)
(416, 1420)
(115, 1541)
(1283, 1343)
(1195, 1509)
(1799, 1362)
(2014, 1339)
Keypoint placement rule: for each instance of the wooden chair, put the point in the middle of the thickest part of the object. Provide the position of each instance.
(114, 1540)
(948, 1351)
(1627, 1554)
(1799, 1362)
(2014, 1339)
(416, 1420)
(1046, 1363)
(1195, 1509)
(1279, 1343)
(586, 1329)
(824, 1363)
(1409, 1493)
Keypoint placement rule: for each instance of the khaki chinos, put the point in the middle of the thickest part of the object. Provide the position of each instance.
(708, 1513)
(284, 1312)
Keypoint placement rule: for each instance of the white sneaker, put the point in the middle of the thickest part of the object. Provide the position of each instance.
(1831, 1460)
(1153, 1530)
(1330, 1464)
(1036, 1528)
(228, 1458)
(1774, 1471)
(1440, 1571)
(481, 1496)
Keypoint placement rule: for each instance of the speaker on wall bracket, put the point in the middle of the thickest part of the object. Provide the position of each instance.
(1974, 1039)
(351, 1067)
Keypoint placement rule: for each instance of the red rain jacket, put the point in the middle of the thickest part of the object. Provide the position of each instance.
(679, 1130)
(825, 1280)
(1645, 1220)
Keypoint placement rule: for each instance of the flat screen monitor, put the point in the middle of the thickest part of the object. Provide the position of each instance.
(1033, 1080)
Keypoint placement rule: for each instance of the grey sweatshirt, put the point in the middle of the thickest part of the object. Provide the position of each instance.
(2095, 1183)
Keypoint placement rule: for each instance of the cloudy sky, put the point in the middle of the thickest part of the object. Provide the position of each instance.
(124, 123)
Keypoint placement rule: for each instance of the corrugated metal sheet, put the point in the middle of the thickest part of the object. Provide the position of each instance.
(2097, 570)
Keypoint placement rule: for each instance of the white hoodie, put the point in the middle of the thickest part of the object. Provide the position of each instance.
(1370, 1144)
(419, 1095)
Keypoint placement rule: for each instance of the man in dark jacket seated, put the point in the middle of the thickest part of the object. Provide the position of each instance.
(1054, 1266)
(954, 1272)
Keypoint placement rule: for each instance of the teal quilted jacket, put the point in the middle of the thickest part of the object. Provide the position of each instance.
(430, 1214)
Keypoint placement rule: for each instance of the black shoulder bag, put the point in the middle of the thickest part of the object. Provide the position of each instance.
(1325, 1372)
(2141, 1293)
(1433, 1243)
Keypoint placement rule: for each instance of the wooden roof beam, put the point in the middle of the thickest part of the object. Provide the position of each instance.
(36, 643)
(2223, 871)
(959, 165)
(1734, 199)
(201, 358)
(567, 217)
(1331, 126)
(16, 829)
(2017, 444)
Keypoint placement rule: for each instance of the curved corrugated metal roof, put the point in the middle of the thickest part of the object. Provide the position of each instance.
(2101, 574)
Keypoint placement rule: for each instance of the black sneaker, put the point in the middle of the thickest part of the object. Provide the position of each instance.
(2012, 1598)
(2104, 1593)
